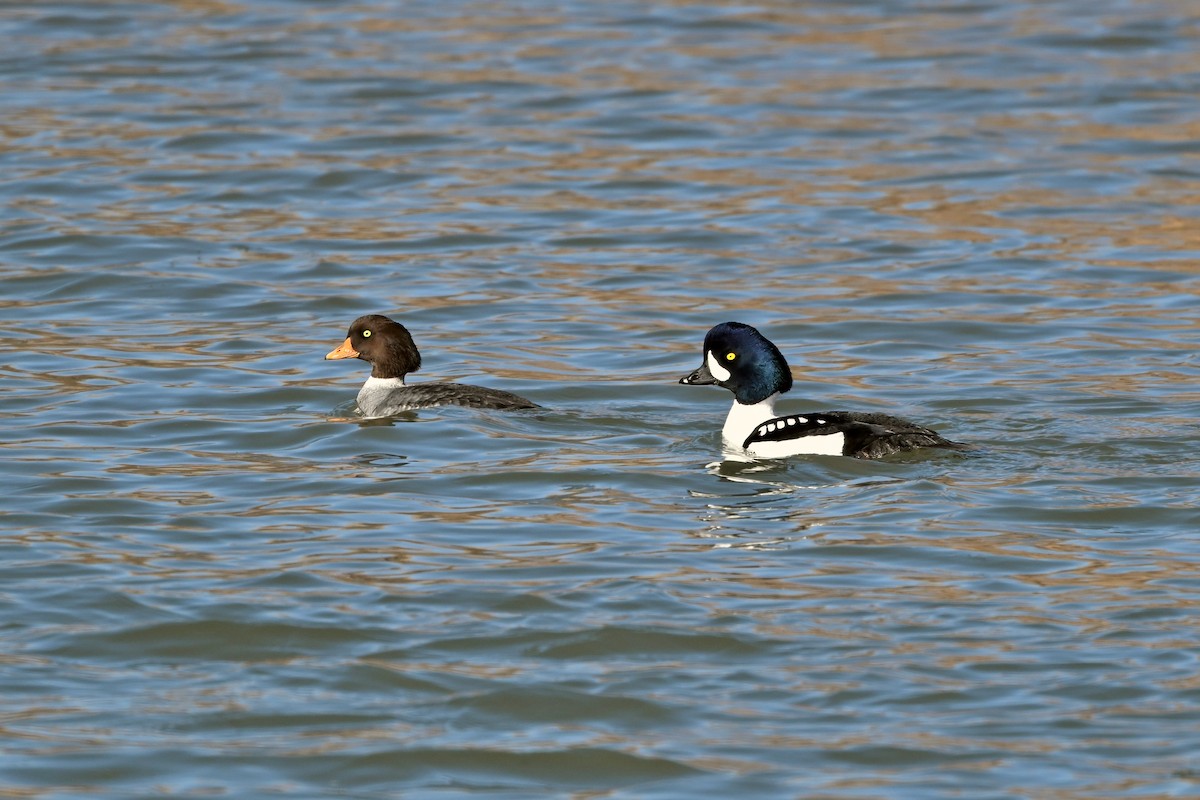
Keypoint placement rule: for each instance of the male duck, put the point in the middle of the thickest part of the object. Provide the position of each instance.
(739, 358)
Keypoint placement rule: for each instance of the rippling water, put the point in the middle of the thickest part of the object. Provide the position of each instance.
(216, 582)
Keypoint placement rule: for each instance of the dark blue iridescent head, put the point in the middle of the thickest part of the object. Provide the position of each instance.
(744, 361)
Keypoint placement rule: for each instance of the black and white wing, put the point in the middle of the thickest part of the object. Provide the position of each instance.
(862, 435)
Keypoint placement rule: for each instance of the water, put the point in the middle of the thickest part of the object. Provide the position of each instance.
(981, 216)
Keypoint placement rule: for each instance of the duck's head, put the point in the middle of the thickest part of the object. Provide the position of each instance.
(742, 360)
(382, 342)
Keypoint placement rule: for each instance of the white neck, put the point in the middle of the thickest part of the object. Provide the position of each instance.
(743, 419)
(374, 392)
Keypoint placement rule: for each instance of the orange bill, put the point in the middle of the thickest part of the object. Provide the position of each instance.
(344, 350)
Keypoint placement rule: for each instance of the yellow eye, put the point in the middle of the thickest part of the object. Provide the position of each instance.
(730, 356)
(366, 334)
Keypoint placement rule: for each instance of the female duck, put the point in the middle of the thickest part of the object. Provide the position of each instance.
(739, 358)
(387, 346)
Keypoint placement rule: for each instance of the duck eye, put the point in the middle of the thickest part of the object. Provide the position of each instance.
(730, 356)
(366, 334)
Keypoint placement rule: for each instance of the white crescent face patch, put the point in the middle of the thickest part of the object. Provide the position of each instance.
(718, 372)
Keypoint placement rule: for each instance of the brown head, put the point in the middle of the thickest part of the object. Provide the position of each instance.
(383, 343)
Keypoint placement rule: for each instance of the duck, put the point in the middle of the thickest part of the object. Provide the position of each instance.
(389, 348)
(739, 358)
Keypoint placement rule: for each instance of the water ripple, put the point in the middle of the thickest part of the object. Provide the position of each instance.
(217, 579)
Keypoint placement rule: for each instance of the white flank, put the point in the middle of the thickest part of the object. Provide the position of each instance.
(830, 444)
(714, 366)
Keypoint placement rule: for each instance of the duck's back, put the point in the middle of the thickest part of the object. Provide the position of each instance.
(384, 402)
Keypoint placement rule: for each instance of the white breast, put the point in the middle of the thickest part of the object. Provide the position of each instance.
(374, 394)
(743, 419)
